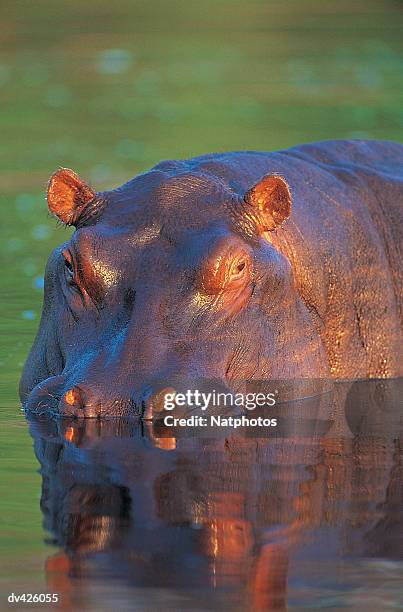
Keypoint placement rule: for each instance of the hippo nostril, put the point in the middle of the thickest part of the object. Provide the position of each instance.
(156, 402)
(73, 397)
(72, 402)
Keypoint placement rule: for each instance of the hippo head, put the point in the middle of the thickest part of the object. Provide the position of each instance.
(170, 277)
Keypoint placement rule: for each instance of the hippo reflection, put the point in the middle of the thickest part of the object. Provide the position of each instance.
(211, 522)
(224, 523)
(231, 267)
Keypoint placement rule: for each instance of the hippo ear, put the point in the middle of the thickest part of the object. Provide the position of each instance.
(68, 196)
(271, 200)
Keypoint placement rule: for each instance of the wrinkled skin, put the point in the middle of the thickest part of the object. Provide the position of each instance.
(230, 267)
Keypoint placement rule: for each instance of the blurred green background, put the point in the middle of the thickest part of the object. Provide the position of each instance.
(110, 88)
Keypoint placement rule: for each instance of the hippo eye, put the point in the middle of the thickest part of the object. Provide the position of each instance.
(230, 270)
(68, 265)
(238, 268)
(69, 270)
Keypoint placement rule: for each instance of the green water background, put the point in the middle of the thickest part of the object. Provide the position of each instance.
(109, 89)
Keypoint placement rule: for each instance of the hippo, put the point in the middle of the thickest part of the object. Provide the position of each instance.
(229, 267)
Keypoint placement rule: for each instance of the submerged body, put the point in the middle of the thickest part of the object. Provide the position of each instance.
(231, 267)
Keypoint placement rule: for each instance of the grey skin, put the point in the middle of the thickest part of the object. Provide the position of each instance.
(231, 267)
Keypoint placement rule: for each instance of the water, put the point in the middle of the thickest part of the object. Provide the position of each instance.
(109, 90)
(142, 517)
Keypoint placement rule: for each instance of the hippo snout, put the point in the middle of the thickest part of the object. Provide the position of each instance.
(91, 399)
(83, 401)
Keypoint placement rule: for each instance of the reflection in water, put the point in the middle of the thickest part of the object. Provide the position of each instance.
(230, 522)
